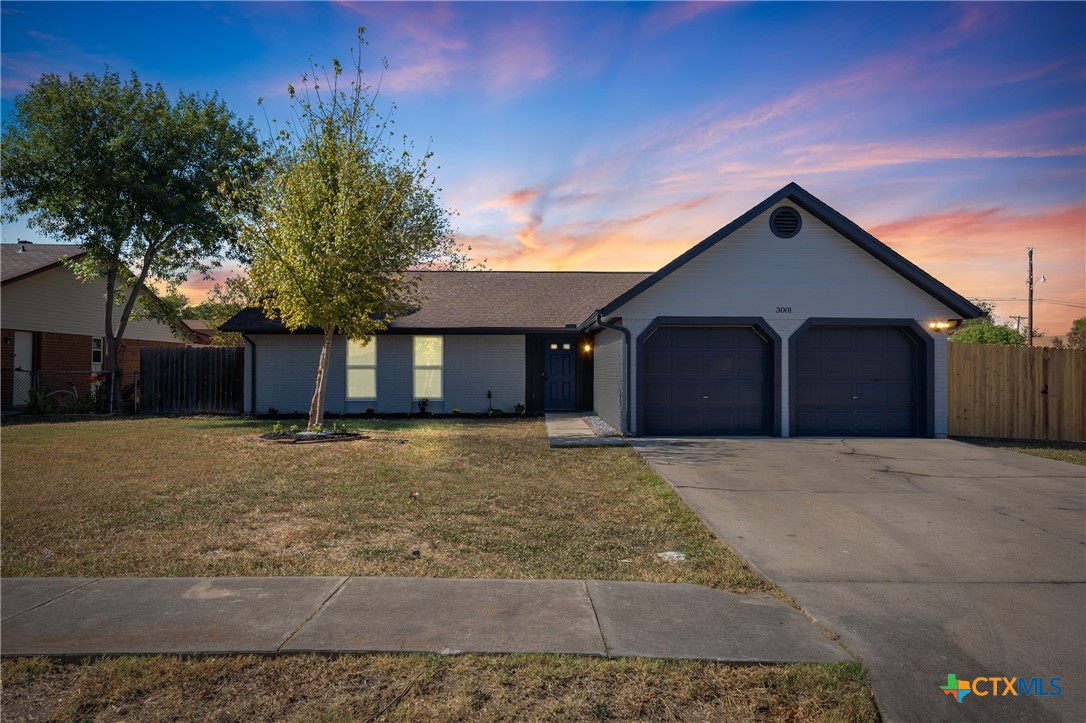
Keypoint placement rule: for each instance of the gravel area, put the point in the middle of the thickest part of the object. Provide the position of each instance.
(600, 427)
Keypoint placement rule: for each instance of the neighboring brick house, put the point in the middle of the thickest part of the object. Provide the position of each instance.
(53, 324)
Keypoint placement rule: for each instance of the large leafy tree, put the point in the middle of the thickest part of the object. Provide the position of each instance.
(1076, 337)
(132, 176)
(985, 330)
(346, 213)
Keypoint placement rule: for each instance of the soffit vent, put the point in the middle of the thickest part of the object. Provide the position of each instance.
(785, 222)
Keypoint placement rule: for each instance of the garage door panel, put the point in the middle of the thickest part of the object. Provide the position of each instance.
(689, 366)
(658, 394)
(898, 367)
(686, 337)
(901, 424)
(873, 338)
(719, 364)
(840, 393)
(657, 362)
(856, 381)
(713, 381)
(685, 392)
(748, 393)
(869, 366)
(899, 396)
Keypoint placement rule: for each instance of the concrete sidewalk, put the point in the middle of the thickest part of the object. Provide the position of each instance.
(78, 617)
(569, 429)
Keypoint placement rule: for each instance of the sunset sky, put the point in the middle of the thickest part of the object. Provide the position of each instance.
(614, 136)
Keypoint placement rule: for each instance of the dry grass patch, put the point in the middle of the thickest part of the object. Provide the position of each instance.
(424, 687)
(1073, 452)
(197, 497)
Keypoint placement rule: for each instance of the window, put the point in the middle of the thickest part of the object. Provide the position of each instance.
(429, 355)
(362, 369)
(96, 350)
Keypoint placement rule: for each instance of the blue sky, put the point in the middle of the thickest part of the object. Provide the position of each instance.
(616, 135)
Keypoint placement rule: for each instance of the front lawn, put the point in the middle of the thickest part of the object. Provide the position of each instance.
(425, 687)
(198, 497)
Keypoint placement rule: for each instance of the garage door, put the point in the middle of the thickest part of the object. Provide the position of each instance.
(856, 382)
(704, 380)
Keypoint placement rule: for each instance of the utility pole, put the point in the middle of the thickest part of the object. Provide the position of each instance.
(1030, 296)
(1017, 322)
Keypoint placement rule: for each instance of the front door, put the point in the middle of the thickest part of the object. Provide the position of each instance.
(559, 374)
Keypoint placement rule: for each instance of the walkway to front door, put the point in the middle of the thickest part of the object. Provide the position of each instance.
(559, 374)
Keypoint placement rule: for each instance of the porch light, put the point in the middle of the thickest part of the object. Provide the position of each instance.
(587, 347)
(942, 325)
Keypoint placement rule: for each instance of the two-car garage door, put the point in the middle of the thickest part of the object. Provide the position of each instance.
(862, 380)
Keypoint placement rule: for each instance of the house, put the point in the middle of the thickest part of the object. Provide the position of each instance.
(789, 321)
(53, 325)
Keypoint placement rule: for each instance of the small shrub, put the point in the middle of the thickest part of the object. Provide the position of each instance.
(423, 404)
(294, 429)
(496, 413)
(273, 412)
(316, 428)
(519, 409)
(370, 411)
(456, 410)
(277, 428)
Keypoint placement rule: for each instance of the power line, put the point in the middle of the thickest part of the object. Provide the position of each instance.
(1045, 301)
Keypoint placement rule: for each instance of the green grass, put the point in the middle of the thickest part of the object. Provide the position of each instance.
(414, 687)
(1073, 452)
(198, 497)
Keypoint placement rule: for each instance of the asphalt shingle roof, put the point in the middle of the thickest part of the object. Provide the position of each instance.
(492, 300)
(18, 260)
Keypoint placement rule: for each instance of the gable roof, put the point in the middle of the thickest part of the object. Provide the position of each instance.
(488, 301)
(19, 260)
(800, 197)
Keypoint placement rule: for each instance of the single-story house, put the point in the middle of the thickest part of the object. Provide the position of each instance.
(789, 321)
(53, 325)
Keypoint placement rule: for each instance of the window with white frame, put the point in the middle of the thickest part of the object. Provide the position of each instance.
(429, 358)
(96, 349)
(362, 369)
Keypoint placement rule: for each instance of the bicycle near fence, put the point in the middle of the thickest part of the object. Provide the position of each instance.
(61, 391)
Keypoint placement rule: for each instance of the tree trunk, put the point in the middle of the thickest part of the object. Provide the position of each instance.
(316, 408)
(112, 345)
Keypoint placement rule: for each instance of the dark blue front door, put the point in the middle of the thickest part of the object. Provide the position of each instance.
(559, 381)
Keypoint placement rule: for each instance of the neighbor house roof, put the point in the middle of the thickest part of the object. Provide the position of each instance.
(24, 259)
(490, 301)
(799, 196)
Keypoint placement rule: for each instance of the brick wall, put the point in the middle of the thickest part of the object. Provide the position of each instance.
(64, 360)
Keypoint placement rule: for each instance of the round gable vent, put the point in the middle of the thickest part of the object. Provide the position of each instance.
(785, 222)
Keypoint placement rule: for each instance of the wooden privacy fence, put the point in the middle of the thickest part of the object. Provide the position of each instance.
(1017, 392)
(191, 381)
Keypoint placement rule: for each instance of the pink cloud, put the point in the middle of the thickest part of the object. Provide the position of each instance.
(982, 252)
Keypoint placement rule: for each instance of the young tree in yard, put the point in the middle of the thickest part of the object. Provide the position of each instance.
(344, 215)
(131, 176)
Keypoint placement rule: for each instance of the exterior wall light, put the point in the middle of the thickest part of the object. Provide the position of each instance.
(943, 325)
(587, 348)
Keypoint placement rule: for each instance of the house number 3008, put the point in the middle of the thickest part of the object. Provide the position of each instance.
(784, 309)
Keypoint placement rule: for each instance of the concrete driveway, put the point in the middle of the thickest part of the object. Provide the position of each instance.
(926, 557)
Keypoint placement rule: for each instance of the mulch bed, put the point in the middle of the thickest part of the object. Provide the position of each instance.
(312, 437)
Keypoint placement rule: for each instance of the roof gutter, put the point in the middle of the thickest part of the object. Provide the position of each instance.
(626, 431)
(252, 373)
